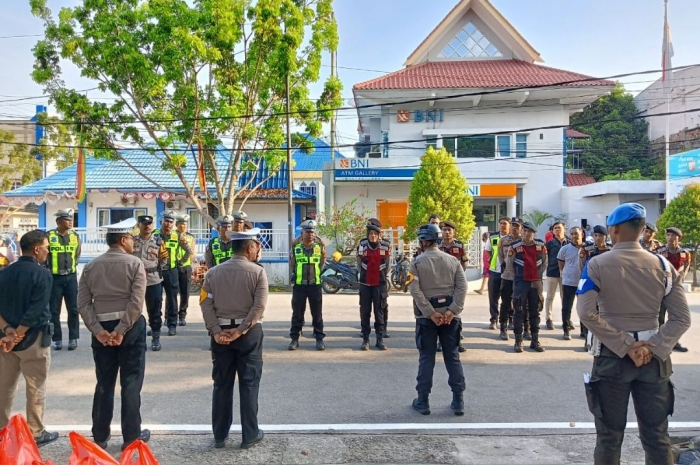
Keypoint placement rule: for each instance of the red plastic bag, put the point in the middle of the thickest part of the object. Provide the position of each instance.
(17, 445)
(143, 453)
(86, 452)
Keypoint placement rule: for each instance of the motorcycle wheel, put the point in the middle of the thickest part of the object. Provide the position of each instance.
(397, 282)
(328, 288)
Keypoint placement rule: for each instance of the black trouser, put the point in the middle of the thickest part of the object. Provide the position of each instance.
(612, 380)
(506, 301)
(300, 294)
(172, 289)
(427, 336)
(129, 361)
(242, 357)
(154, 306)
(526, 297)
(184, 276)
(65, 287)
(371, 298)
(494, 294)
(568, 294)
(385, 305)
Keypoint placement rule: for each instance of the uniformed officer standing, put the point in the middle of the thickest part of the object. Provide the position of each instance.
(439, 289)
(111, 297)
(589, 250)
(239, 221)
(433, 219)
(307, 258)
(680, 258)
(220, 249)
(171, 282)
(384, 302)
(553, 281)
(528, 257)
(619, 297)
(507, 276)
(648, 240)
(184, 266)
(495, 269)
(452, 246)
(373, 256)
(150, 248)
(64, 253)
(233, 300)
(314, 225)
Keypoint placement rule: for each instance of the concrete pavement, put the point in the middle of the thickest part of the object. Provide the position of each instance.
(525, 400)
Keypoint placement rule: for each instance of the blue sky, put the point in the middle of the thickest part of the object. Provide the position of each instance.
(596, 37)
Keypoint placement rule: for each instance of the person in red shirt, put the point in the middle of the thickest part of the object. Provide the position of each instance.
(680, 258)
(373, 255)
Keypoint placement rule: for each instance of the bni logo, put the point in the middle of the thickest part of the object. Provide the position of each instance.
(353, 163)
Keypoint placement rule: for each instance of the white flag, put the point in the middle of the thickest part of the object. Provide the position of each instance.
(667, 54)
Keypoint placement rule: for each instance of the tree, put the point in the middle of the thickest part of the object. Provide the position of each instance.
(192, 74)
(683, 212)
(633, 175)
(615, 146)
(345, 226)
(537, 217)
(439, 187)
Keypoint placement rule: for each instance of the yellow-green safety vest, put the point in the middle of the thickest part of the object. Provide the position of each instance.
(182, 252)
(303, 260)
(172, 243)
(495, 241)
(57, 250)
(218, 253)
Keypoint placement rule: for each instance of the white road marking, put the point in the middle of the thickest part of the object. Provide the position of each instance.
(379, 426)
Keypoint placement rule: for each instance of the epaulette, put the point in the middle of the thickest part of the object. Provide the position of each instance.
(458, 242)
(517, 243)
(539, 241)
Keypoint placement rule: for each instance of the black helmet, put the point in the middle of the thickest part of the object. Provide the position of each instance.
(373, 227)
(429, 232)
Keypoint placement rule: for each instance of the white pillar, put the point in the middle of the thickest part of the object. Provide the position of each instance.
(511, 207)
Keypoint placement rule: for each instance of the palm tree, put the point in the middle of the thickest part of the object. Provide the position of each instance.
(537, 217)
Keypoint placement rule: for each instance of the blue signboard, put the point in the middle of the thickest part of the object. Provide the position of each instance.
(375, 174)
(684, 165)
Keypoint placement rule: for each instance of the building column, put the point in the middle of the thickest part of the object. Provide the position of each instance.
(511, 206)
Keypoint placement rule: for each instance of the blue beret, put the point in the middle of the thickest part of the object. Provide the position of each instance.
(530, 226)
(626, 212)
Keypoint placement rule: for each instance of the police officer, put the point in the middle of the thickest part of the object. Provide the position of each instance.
(528, 258)
(64, 253)
(570, 267)
(233, 300)
(184, 265)
(648, 240)
(589, 250)
(175, 246)
(433, 219)
(553, 281)
(307, 258)
(239, 221)
(150, 248)
(373, 256)
(619, 297)
(384, 303)
(439, 289)
(220, 249)
(495, 269)
(507, 276)
(111, 297)
(680, 258)
(314, 225)
(452, 246)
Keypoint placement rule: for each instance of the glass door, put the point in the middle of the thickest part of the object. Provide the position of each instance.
(485, 216)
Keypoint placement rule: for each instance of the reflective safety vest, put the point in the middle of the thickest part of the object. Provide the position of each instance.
(182, 252)
(304, 261)
(495, 241)
(58, 250)
(220, 255)
(172, 243)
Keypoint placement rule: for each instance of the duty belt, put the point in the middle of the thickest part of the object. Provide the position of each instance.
(643, 335)
(152, 270)
(64, 272)
(230, 321)
(110, 316)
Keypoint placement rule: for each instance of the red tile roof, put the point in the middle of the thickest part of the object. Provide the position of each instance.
(574, 134)
(478, 74)
(578, 179)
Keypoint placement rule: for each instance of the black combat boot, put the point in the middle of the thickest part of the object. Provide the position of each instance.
(155, 342)
(567, 336)
(518, 344)
(457, 404)
(535, 344)
(365, 344)
(526, 335)
(504, 332)
(380, 343)
(421, 404)
(510, 324)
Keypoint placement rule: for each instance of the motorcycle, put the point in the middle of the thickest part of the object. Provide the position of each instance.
(399, 274)
(338, 276)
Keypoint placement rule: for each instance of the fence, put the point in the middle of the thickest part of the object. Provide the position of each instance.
(472, 245)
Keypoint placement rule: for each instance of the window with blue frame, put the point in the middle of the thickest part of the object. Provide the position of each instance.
(107, 216)
(310, 188)
(503, 146)
(521, 145)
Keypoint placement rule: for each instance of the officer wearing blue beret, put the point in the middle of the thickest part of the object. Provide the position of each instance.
(619, 297)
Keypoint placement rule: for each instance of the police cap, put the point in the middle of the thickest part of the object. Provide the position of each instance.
(145, 219)
(600, 230)
(183, 219)
(651, 227)
(449, 224)
(375, 222)
(123, 227)
(626, 212)
(675, 231)
(243, 235)
(225, 220)
(240, 216)
(169, 215)
(66, 214)
(530, 226)
(516, 220)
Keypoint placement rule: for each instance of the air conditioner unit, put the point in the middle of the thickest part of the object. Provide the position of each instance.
(172, 205)
(374, 154)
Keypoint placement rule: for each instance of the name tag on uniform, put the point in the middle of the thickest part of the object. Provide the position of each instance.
(382, 252)
(539, 248)
(455, 249)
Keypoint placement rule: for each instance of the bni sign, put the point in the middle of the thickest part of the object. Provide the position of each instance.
(474, 190)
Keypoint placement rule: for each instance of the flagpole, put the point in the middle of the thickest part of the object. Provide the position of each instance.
(667, 79)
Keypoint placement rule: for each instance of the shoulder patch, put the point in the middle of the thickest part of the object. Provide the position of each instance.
(586, 284)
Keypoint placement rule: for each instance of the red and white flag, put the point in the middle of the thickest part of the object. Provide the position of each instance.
(667, 53)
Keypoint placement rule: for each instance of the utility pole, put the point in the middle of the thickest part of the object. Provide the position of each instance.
(290, 181)
(331, 196)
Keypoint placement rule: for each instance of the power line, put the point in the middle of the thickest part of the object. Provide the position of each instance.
(21, 36)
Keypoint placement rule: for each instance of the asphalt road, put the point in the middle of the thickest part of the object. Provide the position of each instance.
(344, 385)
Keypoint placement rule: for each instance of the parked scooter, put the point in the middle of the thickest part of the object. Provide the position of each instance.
(338, 276)
(399, 274)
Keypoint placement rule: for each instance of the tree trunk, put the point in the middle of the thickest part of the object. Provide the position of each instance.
(695, 266)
